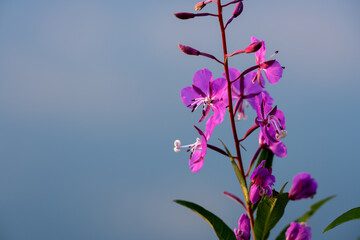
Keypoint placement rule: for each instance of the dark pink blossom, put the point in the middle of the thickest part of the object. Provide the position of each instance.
(262, 182)
(243, 230)
(209, 93)
(244, 91)
(298, 231)
(197, 151)
(271, 120)
(272, 68)
(303, 187)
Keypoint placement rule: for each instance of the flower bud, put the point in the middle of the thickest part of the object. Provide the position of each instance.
(243, 232)
(184, 15)
(298, 231)
(199, 6)
(238, 9)
(303, 187)
(253, 47)
(189, 50)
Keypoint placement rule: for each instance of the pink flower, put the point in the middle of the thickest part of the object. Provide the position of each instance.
(209, 93)
(262, 181)
(272, 68)
(243, 230)
(303, 187)
(298, 231)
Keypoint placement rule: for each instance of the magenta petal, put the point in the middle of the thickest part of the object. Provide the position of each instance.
(210, 125)
(279, 149)
(202, 79)
(274, 72)
(280, 115)
(249, 86)
(187, 95)
(196, 161)
(218, 86)
(254, 194)
(217, 118)
(206, 111)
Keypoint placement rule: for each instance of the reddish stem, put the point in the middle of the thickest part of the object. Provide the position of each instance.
(231, 113)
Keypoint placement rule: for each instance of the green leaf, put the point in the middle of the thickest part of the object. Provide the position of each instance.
(306, 216)
(267, 155)
(348, 216)
(221, 229)
(313, 209)
(269, 212)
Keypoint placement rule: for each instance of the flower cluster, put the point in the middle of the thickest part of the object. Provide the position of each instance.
(233, 92)
(211, 95)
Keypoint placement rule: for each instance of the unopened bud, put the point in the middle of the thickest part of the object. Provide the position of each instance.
(189, 50)
(199, 6)
(184, 15)
(238, 9)
(253, 47)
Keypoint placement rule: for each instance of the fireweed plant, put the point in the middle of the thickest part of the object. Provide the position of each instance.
(232, 92)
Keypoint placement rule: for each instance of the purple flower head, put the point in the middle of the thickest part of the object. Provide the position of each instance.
(271, 120)
(272, 68)
(303, 187)
(197, 151)
(209, 93)
(243, 232)
(262, 182)
(298, 231)
(278, 148)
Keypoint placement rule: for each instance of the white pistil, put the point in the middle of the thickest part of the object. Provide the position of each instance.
(191, 147)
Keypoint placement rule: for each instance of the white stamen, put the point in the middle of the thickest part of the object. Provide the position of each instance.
(191, 147)
(280, 132)
(241, 116)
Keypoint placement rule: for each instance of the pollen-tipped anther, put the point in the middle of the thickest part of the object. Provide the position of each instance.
(199, 6)
(177, 144)
(281, 134)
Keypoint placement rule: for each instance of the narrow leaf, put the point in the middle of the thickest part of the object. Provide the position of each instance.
(348, 216)
(313, 209)
(221, 229)
(306, 216)
(269, 212)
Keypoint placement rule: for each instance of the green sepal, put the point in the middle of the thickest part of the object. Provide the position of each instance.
(345, 217)
(221, 229)
(269, 212)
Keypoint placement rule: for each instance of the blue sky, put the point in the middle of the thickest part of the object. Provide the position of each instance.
(90, 106)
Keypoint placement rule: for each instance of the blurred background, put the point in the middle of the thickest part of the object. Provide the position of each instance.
(90, 107)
